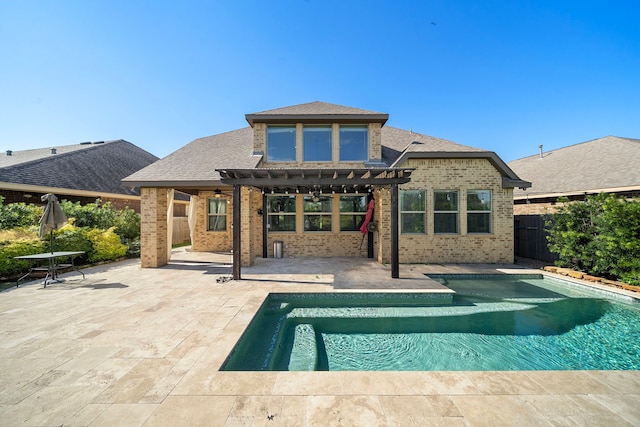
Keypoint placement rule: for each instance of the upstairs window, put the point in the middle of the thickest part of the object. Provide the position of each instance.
(317, 213)
(317, 144)
(354, 143)
(479, 211)
(412, 211)
(353, 210)
(281, 213)
(281, 144)
(445, 212)
(217, 214)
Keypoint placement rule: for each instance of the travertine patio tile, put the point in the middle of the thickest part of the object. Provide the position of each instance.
(504, 382)
(376, 383)
(130, 415)
(426, 422)
(419, 406)
(192, 411)
(353, 410)
(625, 382)
(626, 406)
(498, 411)
(569, 382)
(308, 383)
(133, 386)
(446, 383)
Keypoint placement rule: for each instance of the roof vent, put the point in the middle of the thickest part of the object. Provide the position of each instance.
(540, 147)
(86, 143)
(9, 152)
(54, 151)
(99, 142)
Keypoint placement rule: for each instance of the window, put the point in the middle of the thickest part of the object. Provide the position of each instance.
(317, 213)
(354, 143)
(479, 211)
(281, 213)
(412, 211)
(217, 214)
(353, 210)
(281, 144)
(317, 144)
(445, 212)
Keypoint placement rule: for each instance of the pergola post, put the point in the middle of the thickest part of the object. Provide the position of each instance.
(395, 258)
(237, 250)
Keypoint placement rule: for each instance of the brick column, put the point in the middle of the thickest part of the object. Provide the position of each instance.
(153, 227)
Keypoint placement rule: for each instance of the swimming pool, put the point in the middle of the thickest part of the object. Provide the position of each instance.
(501, 322)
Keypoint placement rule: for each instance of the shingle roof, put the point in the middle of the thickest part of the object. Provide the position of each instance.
(196, 162)
(593, 166)
(317, 111)
(97, 167)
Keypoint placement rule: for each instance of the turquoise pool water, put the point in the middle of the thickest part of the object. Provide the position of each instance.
(522, 322)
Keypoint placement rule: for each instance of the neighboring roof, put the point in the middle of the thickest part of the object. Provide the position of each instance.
(317, 111)
(600, 165)
(194, 165)
(96, 167)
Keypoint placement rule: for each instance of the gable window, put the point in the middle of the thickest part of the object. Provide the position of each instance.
(317, 143)
(354, 143)
(281, 144)
(317, 213)
(479, 211)
(412, 211)
(353, 210)
(445, 212)
(281, 213)
(217, 214)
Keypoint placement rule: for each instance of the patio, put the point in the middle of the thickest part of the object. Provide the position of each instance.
(142, 347)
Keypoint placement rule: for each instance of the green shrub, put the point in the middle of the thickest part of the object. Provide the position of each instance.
(600, 236)
(73, 239)
(106, 245)
(16, 215)
(10, 249)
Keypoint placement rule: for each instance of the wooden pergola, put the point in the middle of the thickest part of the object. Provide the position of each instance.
(320, 181)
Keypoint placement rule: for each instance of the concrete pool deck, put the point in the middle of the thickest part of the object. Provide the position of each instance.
(142, 347)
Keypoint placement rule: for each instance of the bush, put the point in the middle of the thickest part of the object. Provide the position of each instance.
(600, 236)
(10, 249)
(106, 245)
(17, 215)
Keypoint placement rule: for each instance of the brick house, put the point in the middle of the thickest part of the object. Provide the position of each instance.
(305, 175)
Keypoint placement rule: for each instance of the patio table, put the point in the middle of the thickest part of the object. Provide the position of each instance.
(49, 262)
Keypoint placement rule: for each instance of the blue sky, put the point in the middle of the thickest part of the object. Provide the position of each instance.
(504, 75)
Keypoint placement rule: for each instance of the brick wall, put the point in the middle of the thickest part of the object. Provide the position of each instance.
(211, 241)
(460, 175)
(153, 227)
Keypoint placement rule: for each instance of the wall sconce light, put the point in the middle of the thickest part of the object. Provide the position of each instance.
(217, 192)
(259, 212)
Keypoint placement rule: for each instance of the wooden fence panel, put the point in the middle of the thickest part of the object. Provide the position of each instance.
(180, 231)
(531, 238)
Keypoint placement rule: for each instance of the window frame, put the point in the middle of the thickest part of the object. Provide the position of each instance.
(343, 153)
(405, 213)
(488, 212)
(221, 202)
(307, 215)
(282, 213)
(273, 145)
(352, 214)
(448, 213)
(307, 144)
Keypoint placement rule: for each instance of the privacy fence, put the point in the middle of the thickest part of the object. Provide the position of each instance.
(531, 238)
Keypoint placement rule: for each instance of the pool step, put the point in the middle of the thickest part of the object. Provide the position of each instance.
(304, 354)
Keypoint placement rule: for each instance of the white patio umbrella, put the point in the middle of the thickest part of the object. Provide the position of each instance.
(52, 218)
